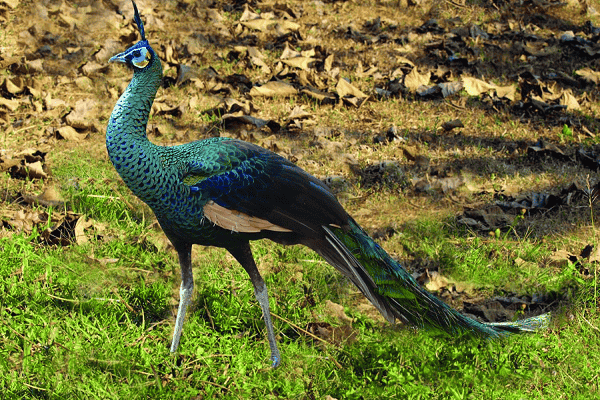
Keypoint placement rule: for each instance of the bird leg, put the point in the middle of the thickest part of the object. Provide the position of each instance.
(243, 255)
(185, 291)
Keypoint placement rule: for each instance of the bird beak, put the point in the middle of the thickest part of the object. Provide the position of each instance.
(118, 58)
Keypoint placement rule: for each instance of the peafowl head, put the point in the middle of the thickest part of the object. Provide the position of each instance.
(140, 56)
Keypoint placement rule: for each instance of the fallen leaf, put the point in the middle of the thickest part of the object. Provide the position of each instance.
(69, 133)
(10, 104)
(589, 75)
(83, 115)
(274, 88)
(414, 80)
(337, 311)
(345, 88)
(298, 113)
(455, 123)
(299, 62)
(570, 101)
(475, 87)
(82, 224)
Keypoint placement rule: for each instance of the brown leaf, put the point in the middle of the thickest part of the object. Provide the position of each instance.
(26, 163)
(350, 94)
(436, 281)
(589, 75)
(299, 62)
(337, 311)
(258, 24)
(69, 133)
(35, 170)
(35, 66)
(248, 15)
(84, 83)
(561, 258)
(508, 92)
(323, 97)
(595, 255)
(80, 227)
(328, 63)
(260, 63)
(455, 123)
(14, 85)
(93, 68)
(109, 49)
(54, 103)
(274, 88)
(413, 80)
(475, 87)
(49, 198)
(450, 88)
(83, 115)
(567, 99)
(11, 104)
(274, 144)
(61, 232)
(238, 117)
(298, 113)
(11, 3)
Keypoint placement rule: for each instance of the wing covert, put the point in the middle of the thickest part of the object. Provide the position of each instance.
(246, 178)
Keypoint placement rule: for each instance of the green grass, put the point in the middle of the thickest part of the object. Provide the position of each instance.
(75, 327)
(95, 320)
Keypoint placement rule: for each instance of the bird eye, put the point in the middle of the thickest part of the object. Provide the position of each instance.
(141, 58)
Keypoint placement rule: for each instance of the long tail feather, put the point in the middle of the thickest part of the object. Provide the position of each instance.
(396, 293)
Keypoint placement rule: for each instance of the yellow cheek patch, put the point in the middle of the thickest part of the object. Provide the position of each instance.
(144, 62)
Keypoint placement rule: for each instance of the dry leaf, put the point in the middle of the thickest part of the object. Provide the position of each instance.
(83, 115)
(567, 99)
(11, 105)
(455, 123)
(11, 3)
(274, 88)
(80, 227)
(69, 133)
(450, 88)
(337, 311)
(435, 281)
(475, 87)
(350, 94)
(413, 80)
(14, 85)
(298, 113)
(299, 62)
(589, 75)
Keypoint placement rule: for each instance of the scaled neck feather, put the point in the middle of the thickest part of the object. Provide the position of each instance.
(130, 115)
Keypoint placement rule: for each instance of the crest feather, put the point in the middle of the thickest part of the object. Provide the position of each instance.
(138, 21)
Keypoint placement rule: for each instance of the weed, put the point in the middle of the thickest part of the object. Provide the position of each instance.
(566, 134)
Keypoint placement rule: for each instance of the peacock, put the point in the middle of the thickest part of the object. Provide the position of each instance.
(224, 192)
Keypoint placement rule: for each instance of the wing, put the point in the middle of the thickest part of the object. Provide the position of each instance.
(258, 189)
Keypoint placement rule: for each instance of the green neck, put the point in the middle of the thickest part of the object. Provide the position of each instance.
(130, 116)
(128, 147)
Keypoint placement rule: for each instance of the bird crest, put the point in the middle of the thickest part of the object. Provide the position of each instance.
(138, 21)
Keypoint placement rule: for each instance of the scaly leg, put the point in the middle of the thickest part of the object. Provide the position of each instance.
(243, 255)
(185, 291)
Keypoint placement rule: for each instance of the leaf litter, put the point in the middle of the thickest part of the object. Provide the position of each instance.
(538, 71)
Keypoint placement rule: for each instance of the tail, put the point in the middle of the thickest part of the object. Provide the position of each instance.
(397, 295)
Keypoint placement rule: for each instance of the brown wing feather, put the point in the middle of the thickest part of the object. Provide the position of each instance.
(237, 221)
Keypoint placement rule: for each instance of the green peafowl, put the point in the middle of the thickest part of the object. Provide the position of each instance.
(224, 192)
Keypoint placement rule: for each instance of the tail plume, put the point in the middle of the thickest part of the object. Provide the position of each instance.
(396, 293)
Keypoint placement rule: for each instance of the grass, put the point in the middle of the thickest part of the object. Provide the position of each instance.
(74, 326)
